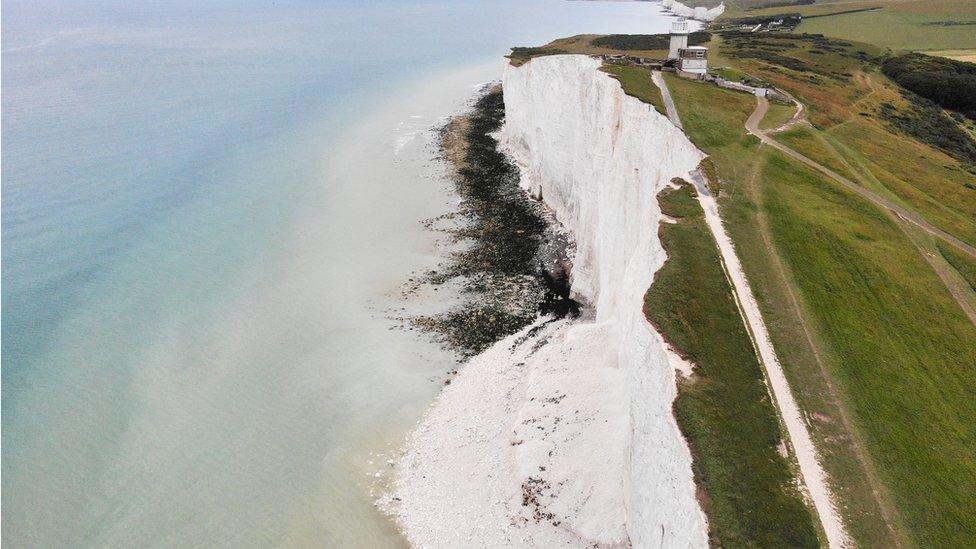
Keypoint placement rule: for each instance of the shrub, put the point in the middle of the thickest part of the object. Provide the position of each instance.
(949, 83)
(925, 121)
(647, 41)
(782, 4)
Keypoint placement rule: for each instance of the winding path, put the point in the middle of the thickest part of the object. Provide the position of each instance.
(811, 472)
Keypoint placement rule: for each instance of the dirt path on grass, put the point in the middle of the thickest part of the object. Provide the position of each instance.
(863, 79)
(951, 279)
(668, 102)
(752, 126)
(811, 471)
(879, 491)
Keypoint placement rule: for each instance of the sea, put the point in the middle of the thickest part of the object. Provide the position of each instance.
(210, 210)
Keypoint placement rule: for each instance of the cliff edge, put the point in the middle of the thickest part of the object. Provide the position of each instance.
(563, 433)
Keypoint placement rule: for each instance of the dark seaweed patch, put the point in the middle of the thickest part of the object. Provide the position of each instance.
(501, 270)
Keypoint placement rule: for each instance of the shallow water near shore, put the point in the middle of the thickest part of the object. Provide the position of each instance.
(208, 214)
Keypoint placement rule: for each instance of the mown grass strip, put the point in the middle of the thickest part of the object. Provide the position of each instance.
(962, 263)
(901, 348)
(724, 409)
(778, 115)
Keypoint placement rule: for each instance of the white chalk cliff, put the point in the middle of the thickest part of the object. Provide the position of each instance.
(563, 434)
(700, 13)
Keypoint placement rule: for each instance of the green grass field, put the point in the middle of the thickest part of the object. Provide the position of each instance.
(745, 8)
(808, 141)
(920, 176)
(905, 355)
(739, 163)
(963, 264)
(636, 81)
(920, 25)
(819, 8)
(846, 96)
(843, 287)
(778, 115)
(916, 25)
(968, 55)
(724, 408)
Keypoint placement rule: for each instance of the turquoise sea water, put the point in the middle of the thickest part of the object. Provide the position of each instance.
(206, 206)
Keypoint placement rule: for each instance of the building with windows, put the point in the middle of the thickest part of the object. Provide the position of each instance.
(693, 59)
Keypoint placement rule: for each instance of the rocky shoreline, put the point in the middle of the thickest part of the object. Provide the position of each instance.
(511, 259)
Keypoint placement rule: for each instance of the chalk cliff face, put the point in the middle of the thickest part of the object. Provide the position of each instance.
(699, 13)
(598, 158)
(562, 435)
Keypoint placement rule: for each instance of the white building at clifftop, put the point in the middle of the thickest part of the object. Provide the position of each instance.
(679, 37)
(693, 59)
(688, 59)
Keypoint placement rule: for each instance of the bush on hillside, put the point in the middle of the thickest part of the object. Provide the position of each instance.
(634, 42)
(782, 4)
(928, 123)
(949, 83)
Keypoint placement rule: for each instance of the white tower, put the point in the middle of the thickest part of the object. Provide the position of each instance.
(679, 37)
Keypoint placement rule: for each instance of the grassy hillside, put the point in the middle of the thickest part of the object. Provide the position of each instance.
(908, 25)
(866, 331)
(724, 408)
(636, 81)
(654, 46)
(963, 264)
(778, 115)
(738, 164)
(865, 126)
(904, 351)
(916, 25)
